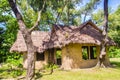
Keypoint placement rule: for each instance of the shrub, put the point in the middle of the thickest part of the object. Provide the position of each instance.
(114, 52)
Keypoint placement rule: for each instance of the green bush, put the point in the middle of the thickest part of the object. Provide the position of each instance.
(7, 71)
(15, 73)
(114, 52)
(50, 66)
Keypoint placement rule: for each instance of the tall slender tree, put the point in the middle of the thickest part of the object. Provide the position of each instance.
(27, 37)
(88, 8)
(104, 41)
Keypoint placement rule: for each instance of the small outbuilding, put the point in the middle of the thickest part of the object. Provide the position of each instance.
(70, 47)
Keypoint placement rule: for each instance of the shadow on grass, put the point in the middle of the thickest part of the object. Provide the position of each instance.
(42, 73)
(115, 64)
(38, 75)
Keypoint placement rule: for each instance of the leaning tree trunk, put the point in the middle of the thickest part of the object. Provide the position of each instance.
(104, 41)
(27, 37)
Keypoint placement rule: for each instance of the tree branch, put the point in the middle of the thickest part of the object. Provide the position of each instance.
(17, 14)
(39, 18)
(59, 14)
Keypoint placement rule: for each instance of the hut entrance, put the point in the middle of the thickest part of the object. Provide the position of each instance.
(59, 56)
(51, 57)
(54, 56)
(40, 56)
(89, 52)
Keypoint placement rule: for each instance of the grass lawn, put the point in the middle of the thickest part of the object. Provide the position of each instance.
(87, 74)
(81, 74)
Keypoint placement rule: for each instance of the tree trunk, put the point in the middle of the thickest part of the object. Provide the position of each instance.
(27, 37)
(68, 12)
(85, 17)
(30, 57)
(103, 44)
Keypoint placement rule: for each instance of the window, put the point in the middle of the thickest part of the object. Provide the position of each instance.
(93, 51)
(89, 52)
(85, 54)
(40, 56)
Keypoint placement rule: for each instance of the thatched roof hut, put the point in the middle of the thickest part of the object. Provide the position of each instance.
(60, 36)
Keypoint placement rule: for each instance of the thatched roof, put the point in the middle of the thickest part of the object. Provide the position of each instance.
(86, 33)
(38, 37)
